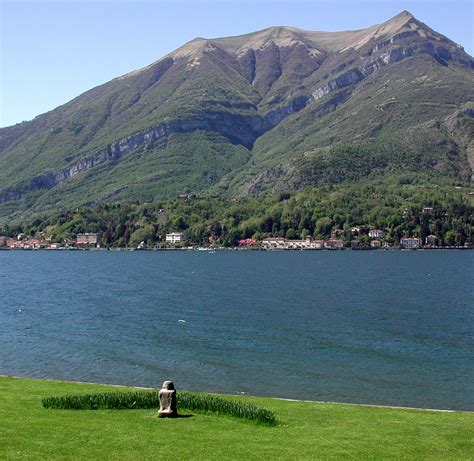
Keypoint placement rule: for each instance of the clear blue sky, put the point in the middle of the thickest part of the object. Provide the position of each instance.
(51, 51)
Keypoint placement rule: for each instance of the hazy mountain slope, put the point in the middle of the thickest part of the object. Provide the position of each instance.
(246, 114)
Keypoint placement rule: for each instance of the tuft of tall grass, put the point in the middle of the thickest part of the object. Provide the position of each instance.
(149, 399)
(218, 405)
(104, 401)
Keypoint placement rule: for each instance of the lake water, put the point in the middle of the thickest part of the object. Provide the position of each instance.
(392, 328)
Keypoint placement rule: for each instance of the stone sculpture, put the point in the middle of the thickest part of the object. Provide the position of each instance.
(167, 397)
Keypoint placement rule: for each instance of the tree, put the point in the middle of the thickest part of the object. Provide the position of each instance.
(107, 237)
(143, 234)
(179, 223)
(232, 237)
(323, 226)
(449, 238)
(267, 224)
(290, 234)
(216, 229)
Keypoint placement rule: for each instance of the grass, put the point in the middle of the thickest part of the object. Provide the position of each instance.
(144, 400)
(307, 431)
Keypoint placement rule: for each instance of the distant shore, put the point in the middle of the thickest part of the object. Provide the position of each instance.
(227, 249)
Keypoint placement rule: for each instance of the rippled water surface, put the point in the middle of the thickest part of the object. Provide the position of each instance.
(372, 327)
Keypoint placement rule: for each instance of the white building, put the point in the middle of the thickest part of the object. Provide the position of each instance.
(175, 237)
(281, 243)
(410, 242)
(376, 234)
(316, 244)
(87, 239)
(274, 242)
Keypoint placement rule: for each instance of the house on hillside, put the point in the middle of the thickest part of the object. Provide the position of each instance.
(175, 237)
(185, 196)
(376, 234)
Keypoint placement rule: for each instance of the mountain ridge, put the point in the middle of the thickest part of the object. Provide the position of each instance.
(246, 100)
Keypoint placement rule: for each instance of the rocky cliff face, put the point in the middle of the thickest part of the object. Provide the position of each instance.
(238, 129)
(356, 74)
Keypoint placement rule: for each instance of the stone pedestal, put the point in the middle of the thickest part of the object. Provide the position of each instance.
(167, 396)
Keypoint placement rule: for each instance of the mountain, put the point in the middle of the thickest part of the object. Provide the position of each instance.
(275, 110)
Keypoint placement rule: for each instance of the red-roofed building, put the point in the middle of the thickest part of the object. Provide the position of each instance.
(31, 244)
(334, 244)
(317, 244)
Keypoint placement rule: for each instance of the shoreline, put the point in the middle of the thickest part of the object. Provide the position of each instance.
(233, 249)
(368, 405)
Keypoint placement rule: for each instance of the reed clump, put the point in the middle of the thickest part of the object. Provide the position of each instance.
(104, 401)
(141, 400)
(218, 405)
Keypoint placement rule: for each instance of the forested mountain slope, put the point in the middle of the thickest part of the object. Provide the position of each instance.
(275, 110)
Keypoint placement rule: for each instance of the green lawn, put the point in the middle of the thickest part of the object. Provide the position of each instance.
(307, 430)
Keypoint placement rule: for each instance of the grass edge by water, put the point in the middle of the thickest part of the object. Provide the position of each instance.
(330, 402)
(310, 430)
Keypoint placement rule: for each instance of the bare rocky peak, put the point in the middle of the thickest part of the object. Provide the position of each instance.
(317, 44)
(283, 36)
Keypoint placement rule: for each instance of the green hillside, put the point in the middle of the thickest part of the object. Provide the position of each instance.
(393, 203)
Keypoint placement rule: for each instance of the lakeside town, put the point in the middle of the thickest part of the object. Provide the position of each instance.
(374, 239)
